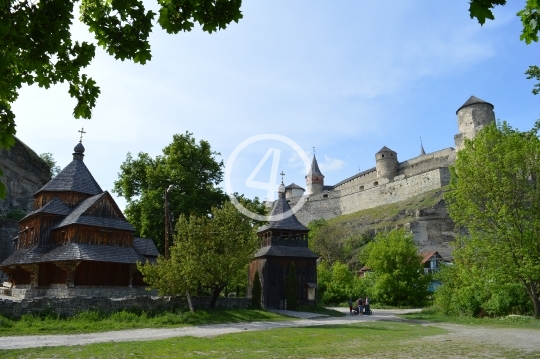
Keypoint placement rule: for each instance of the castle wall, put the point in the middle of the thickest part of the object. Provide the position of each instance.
(352, 199)
(427, 162)
(363, 180)
(318, 206)
(396, 191)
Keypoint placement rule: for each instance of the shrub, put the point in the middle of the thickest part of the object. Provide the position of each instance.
(256, 292)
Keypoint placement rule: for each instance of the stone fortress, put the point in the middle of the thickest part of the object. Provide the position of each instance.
(390, 181)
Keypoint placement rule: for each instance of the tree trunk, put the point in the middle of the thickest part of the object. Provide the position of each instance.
(188, 296)
(215, 295)
(533, 294)
(535, 300)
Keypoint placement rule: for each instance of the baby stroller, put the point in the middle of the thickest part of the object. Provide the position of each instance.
(356, 311)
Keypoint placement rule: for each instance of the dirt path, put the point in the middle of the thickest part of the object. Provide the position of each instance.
(528, 340)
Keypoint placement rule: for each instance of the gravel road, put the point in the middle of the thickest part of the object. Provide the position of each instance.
(523, 339)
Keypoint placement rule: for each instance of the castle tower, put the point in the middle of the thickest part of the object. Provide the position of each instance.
(386, 163)
(314, 179)
(473, 115)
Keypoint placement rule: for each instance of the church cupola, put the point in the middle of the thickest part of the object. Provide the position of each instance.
(314, 178)
(78, 152)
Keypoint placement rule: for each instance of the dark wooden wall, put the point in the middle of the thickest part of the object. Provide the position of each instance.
(91, 235)
(51, 274)
(273, 272)
(102, 274)
(70, 199)
(36, 229)
(106, 209)
(19, 276)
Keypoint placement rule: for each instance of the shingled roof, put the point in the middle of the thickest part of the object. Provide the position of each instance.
(78, 216)
(294, 186)
(314, 170)
(282, 251)
(386, 149)
(75, 251)
(472, 101)
(286, 223)
(55, 206)
(74, 177)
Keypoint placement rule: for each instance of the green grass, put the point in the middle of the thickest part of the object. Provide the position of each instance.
(362, 340)
(512, 321)
(89, 322)
(389, 215)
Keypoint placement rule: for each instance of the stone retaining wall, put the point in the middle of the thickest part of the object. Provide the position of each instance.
(68, 307)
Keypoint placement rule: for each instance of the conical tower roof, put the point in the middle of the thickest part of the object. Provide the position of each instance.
(472, 101)
(314, 170)
(422, 152)
(280, 210)
(75, 177)
(386, 149)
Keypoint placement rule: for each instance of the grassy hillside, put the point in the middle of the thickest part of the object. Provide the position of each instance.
(390, 215)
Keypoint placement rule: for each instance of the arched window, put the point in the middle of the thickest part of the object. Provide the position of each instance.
(361, 188)
(376, 183)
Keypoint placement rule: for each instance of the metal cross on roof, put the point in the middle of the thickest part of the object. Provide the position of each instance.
(82, 133)
(282, 174)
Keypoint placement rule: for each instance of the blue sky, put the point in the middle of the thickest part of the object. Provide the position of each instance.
(345, 77)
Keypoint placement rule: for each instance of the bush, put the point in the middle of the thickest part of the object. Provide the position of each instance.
(256, 292)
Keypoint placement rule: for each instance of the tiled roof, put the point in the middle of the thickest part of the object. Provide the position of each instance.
(281, 206)
(281, 251)
(426, 256)
(471, 101)
(78, 217)
(74, 177)
(314, 170)
(145, 247)
(74, 251)
(53, 207)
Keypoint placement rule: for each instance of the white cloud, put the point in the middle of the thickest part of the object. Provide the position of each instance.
(331, 164)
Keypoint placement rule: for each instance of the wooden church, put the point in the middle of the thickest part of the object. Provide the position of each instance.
(76, 241)
(282, 242)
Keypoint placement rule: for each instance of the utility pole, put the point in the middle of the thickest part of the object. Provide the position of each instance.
(167, 222)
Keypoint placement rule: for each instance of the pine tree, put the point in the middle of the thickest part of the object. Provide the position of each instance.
(256, 292)
(292, 288)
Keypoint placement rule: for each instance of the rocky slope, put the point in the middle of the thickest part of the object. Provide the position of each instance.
(424, 215)
(24, 173)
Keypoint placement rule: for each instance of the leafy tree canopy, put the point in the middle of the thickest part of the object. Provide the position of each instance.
(495, 193)
(37, 46)
(210, 252)
(397, 266)
(190, 166)
(48, 158)
(530, 19)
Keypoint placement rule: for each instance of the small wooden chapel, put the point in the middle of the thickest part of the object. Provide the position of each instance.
(282, 241)
(76, 241)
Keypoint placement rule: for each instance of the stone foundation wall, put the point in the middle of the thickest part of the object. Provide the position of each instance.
(68, 307)
(61, 291)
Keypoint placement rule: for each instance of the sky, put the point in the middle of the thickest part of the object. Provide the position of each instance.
(341, 78)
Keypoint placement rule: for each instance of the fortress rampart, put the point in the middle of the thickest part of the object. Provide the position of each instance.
(391, 181)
